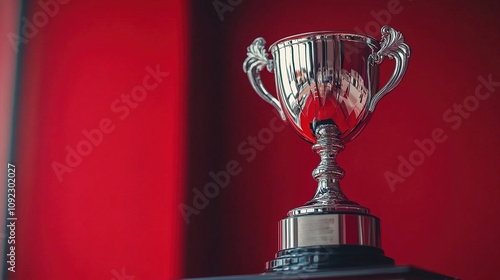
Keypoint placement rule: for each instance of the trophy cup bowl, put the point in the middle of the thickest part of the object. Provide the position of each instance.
(327, 85)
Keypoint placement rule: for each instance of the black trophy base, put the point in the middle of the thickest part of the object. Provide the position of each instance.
(360, 273)
(313, 258)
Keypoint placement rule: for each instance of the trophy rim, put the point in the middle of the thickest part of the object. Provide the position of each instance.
(322, 35)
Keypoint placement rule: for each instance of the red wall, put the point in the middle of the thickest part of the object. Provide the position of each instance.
(120, 209)
(100, 174)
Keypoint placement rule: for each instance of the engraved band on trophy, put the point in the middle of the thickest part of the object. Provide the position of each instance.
(327, 85)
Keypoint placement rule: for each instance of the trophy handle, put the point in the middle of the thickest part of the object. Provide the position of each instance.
(253, 64)
(394, 47)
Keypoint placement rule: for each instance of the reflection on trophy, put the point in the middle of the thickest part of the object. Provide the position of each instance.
(327, 86)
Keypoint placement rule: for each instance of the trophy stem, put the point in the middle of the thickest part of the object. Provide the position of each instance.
(328, 173)
(328, 197)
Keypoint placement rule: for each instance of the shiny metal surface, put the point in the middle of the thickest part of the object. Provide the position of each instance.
(329, 229)
(393, 47)
(327, 87)
(253, 64)
(327, 76)
(328, 197)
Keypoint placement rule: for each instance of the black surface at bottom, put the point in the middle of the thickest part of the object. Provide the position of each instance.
(313, 258)
(361, 273)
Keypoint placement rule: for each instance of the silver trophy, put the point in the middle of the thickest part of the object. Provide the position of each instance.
(328, 87)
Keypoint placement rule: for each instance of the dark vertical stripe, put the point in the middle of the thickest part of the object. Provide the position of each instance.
(12, 145)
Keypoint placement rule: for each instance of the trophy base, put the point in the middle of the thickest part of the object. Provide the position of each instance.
(311, 242)
(315, 258)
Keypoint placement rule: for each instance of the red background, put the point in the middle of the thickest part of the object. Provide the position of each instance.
(115, 214)
(119, 208)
